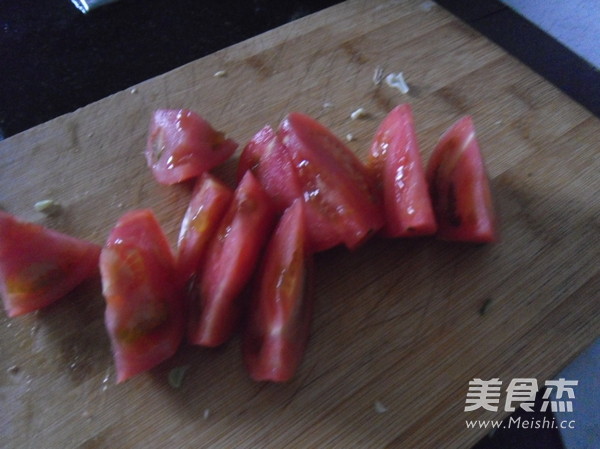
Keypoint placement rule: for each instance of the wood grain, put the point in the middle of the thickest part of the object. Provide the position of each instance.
(397, 321)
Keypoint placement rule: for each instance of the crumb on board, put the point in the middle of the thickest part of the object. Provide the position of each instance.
(206, 413)
(48, 207)
(380, 407)
(349, 137)
(359, 113)
(485, 307)
(427, 5)
(220, 73)
(176, 376)
(396, 80)
(378, 75)
(327, 105)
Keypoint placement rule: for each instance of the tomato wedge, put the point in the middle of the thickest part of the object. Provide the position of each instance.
(459, 186)
(144, 305)
(210, 200)
(342, 204)
(39, 265)
(182, 145)
(230, 262)
(280, 312)
(396, 164)
(268, 160)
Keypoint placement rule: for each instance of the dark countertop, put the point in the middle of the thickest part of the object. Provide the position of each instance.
(56, 59)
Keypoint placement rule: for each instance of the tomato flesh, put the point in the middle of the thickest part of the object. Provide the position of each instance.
(230, 262)
(144, 304)
(396, 164)
(280, 312)
(269, 161)
(39, 265)
(210, 200)
(182, 145)
(459, 187)
(341, 200)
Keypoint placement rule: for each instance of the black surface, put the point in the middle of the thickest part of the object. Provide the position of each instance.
(53, 60)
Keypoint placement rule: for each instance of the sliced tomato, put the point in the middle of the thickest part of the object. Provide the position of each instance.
(341, 200)
(39, 265)
(144, 303)
(210, 200)
(269, 161)
(459, 186)
(396, 164)
(230, 262)
(182, 145)
(280, 311)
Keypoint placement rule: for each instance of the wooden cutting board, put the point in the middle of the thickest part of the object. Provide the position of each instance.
(401, 326)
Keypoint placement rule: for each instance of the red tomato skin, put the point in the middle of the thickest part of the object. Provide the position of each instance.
(269, 160)
(338, 191)
(270, 163)
(210, 200)
(459, 187)
(182, 145)
(230, 263)
(144, 313)
(39, 265)
(395, 161)
(280, 311)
